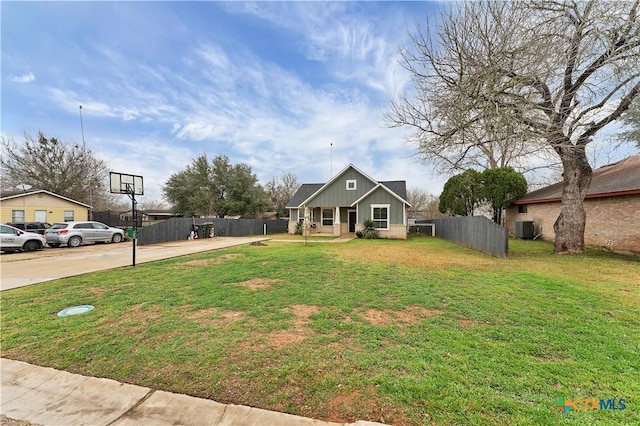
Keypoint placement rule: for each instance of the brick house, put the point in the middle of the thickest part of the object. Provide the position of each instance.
(612, 205)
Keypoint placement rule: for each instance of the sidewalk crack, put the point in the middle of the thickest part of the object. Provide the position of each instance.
(133, 407)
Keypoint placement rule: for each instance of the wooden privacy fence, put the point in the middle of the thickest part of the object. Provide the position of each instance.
(179, 228)
(475, 232)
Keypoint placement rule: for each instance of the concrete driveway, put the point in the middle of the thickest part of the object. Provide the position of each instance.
(21, 269)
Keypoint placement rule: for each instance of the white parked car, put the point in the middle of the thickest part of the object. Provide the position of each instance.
(14, 239)
(73, 234)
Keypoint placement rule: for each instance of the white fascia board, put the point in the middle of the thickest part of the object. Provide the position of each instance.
(335, 178)
(44, 191)
(386, 189)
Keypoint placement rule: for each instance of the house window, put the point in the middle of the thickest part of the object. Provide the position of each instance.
(327, 217)
(522, 208)
(68, 215)
(352, 185)
(380, 215)
(17, 216)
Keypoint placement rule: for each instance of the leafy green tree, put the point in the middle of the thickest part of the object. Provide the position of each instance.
(216, 188)
(500, 187)
(461, 194)
(67, 169)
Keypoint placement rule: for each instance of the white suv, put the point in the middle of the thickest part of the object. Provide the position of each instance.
(75, 233)
(13, 239)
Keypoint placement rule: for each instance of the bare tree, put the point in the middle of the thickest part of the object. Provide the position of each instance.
(423, 204)
(522, 78)
(63, 168)
(631, 119)
(280, 190)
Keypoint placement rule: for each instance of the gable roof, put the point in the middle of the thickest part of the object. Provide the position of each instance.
(621, 178)
(384, 187)
(42, 191)
(307, 191)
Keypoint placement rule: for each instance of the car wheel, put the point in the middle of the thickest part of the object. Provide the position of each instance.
(117, 238)
(31, 246)
(74, 241)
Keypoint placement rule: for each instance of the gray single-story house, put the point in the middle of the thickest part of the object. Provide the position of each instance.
(341, 205)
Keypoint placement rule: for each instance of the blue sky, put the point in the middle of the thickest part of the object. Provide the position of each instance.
(269, 84)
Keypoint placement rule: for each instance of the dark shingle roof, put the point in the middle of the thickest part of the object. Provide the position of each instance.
(305, 191)
(621, 178)
(399, 187)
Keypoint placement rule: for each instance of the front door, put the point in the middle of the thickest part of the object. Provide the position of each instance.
(352, 221)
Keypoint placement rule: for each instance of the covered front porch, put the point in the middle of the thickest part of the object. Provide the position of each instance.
(335, 221)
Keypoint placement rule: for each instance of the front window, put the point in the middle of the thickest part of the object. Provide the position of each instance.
(522, 208)
(352, 185)
(68, 216)
(17, 216)
(327, 217)
(380, 216)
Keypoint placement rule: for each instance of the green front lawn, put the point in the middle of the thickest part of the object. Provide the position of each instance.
(403, 332)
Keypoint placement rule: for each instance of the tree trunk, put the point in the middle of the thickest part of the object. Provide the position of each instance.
(569, 226)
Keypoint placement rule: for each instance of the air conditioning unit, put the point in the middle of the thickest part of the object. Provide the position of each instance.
(524, 229)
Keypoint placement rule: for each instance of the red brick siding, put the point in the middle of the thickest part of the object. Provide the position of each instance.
(613, 223)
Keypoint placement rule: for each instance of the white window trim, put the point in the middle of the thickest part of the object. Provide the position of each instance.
(381, 206)
(18, 216)
(355, 184)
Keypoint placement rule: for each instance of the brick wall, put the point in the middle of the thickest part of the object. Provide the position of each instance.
(613, 223)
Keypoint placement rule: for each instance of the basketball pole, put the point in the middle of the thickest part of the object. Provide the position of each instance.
(134, 208)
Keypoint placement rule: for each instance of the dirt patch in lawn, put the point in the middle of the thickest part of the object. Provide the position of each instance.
(137, 317)
(214, 261)
(411, 315)
(359, 404)
(283, 338)
(215, 317)
(303, 311)
(257, 283)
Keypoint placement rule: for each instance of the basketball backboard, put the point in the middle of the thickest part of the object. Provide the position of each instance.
(122, 183)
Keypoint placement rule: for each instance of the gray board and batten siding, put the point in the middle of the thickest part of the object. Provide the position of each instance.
(381, 196)
(335, 194)
(476, 232)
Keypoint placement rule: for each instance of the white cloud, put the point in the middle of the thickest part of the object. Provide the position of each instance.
(24, 78)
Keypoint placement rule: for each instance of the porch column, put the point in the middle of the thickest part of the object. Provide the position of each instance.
(337, 221)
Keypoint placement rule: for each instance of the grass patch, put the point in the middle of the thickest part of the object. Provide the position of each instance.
(402, 332)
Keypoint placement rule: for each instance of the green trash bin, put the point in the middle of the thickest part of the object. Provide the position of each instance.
(201, 231)
(209, 232)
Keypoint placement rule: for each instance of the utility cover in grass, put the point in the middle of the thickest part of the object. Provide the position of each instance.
(75, 310)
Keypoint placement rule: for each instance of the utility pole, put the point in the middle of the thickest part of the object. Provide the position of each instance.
(84, 149)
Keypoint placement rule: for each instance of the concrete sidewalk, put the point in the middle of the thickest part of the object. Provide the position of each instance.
(46, 396)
